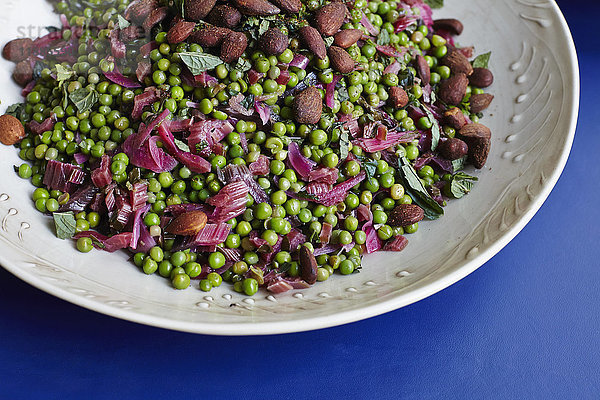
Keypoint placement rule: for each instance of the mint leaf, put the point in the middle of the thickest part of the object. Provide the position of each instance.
(435, 3)
(63, 74)
(344, 144)
(329, 41)
(383, 38)
(65, 225)
(248, 102)
(182, 146)
(15, 109)
(198, 62)
(482, 60)
(461, 184)
(122, 23)
(459, 164)
(435, 127)
(370, 168)
(417, 191)
(84, 99)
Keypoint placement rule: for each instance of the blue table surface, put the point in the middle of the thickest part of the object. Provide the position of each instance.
(525, 325)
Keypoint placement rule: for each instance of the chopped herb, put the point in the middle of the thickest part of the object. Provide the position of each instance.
(248, 102)
(198, 62)
(435, 127)
(417, 191)
(482, 61)
(63, 74)
(383, 38)
(15, 109)
(329, 41)
(84, 99)
(459, 164)
(182, 146)
(344, 144)
(461, 184)
(435, 3)
(370, 168)
(65, 225)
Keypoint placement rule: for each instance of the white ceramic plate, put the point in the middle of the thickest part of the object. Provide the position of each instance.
(533, 121)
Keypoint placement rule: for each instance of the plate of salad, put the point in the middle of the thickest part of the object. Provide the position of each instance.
(267, 166)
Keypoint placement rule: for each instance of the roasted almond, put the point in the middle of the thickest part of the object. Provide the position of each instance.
(224, 15)
(233, 46)
(478, 138)
(453, 149)
(308, 106)
(180, 31)
(457, 62)
(313, 41)
(480, 102)
(405, 215)
(451, 25)
(17, 50)
(454, 89)
(273, 42)
(398, 97)
(196, 10)
(423, 69)
(481, 77)
(289, 6)
(187, 224)
(455, 118)
(11, 130)
(256, 7)
(156, 16)
(308, 265)
(329, 18)
(23, 73)
(211, 36)
(341, 60)
(347, 37)
(139, 10)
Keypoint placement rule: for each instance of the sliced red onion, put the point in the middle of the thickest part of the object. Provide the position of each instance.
(301, 164)
(300, 61)
(194, 162)
(368, 25)
(393, 68)
(263, 111)
(330, 91)
(373, 144)
(212, 235)
(120, 79)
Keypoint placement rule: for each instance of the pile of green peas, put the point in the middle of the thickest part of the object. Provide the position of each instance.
(102, 129)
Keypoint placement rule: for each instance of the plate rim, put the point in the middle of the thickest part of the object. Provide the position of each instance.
(345, 317)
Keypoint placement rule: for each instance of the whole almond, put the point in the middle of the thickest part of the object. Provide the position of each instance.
(17, 50)
(308, 106)
(453, 149)
(211, 36)
(131, 33)
(457, 62)
(398, 97)
(139, 10)
(308, 265)
(423, 69)
(259, 8)
(480, 102)
(289, 6)
(233, 46)
(455, 118)
(180, 31)
(156, 15)
(196, 10)
(329, 18)
(23, 73)
(341, 60)
(225, 16)
(453, 26)
(313, 41)
(273, 42)
(478, 138)
(187, 224)
(481, 77)
(11, 130)
(347, 37)
(454, 89)
(405, 215)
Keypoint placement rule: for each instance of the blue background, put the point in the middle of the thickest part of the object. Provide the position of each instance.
(525, 325)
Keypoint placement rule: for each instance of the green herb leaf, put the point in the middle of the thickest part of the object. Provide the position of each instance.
(461, 184)
(198, 62)
(370, 168)
(242, 65)
(63, 74)
(285, 267)
(435, 3)
(248, 102)
(84, 99)
(263, 27)
(417, 191)
(182, 146)
(65, 225)
(15, 109)
(435, 127)
(383, 38)
(344, 144)
(122, 23)
(482, 61)
(329, 41)
(179, 6)
(201, 146)
(406, 78)
(459, 164)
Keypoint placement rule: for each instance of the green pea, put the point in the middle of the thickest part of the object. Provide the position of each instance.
(193, 269)
(346, 267)
(411, 228)
(84, 245)
(250, 286)
(216, 260)
(181, 281)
